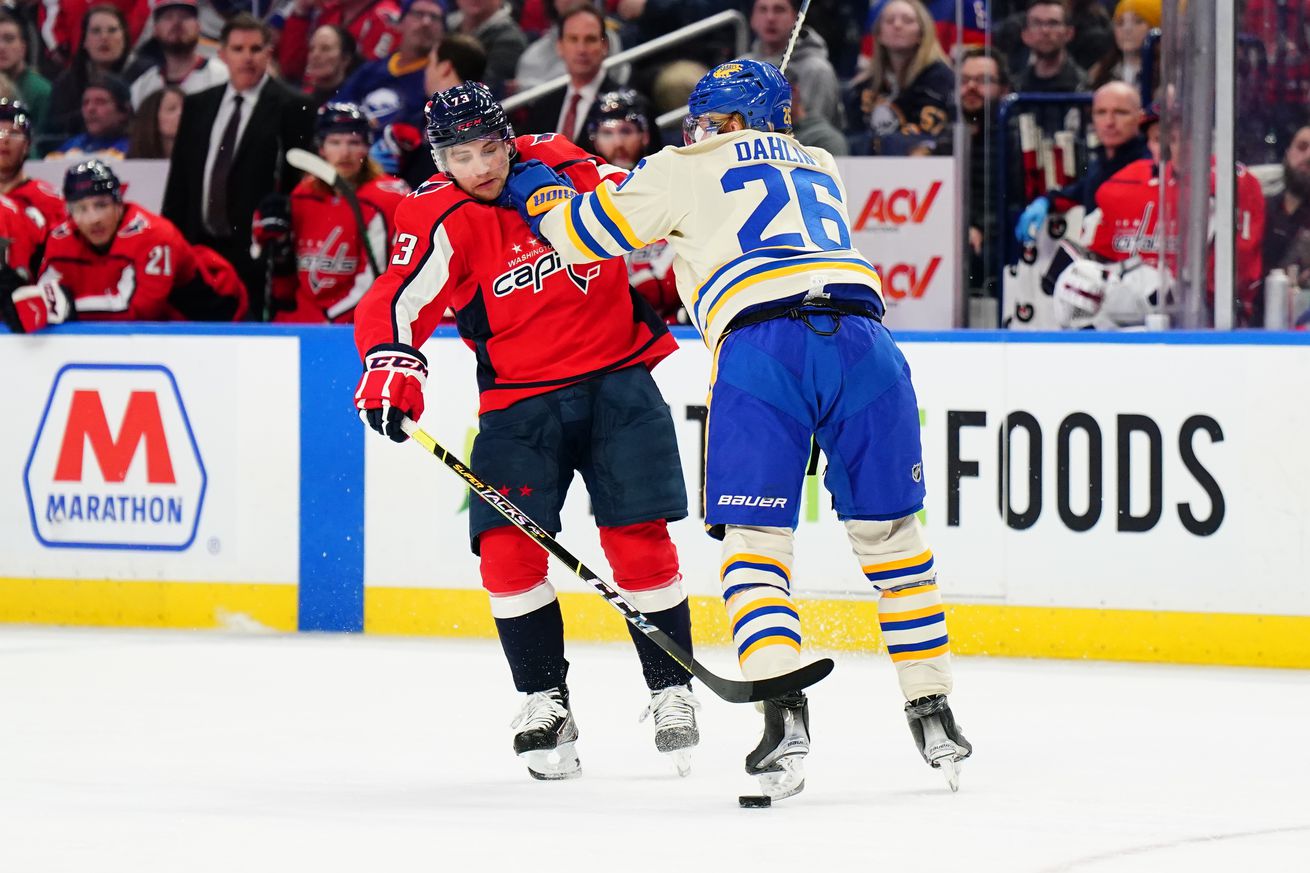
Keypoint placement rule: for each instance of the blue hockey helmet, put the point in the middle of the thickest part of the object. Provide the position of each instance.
(16, 112)
(755, 90)
(90, 179)
(341, 118)
(465, 113)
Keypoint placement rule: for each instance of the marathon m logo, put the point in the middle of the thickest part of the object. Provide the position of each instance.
(114, 464)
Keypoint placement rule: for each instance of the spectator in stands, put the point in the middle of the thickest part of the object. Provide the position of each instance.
(155, 127)
(230, 150)
(772, 22)
(177, 30)
(910, 93)
(392, 89)
(983, 82)
(65, 24)
(114, 261)
(103, 50)
(583, 47)
(455, 60)
(810, 129)
(1133, 20)
(33, 88)
(332, 57)
(373, 24)
(646, 19)
(541, 61)
(106, 115)
(1287, 214)
(41, 202)
(1090, 40)
(492, 23)
(1047, 32)
(1117, 118)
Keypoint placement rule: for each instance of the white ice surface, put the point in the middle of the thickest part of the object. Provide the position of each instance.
(191, 753)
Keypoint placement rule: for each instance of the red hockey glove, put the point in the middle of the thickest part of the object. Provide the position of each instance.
(29, 308)
(391, 388)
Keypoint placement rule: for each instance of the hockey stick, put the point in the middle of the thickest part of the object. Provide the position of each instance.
(310, 163)
(795, 32)
(731, 690)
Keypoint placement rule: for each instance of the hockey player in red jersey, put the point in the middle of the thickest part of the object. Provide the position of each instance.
(563, 370)
(321, 266)
(113, 260)
(41, 202)
(620, 132)
(1118, 286)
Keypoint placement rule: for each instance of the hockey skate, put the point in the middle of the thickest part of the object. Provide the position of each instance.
(676, 734)
(939, 738)
(786, 741)
(546, 734)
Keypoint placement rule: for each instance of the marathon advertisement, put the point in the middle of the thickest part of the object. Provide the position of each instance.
(144, 458)
(1075, 474)
(903, 220)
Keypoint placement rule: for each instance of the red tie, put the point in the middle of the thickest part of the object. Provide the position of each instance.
(570, 125)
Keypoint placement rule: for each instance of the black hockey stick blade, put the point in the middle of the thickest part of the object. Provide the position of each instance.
(745, 691)
(731, 690)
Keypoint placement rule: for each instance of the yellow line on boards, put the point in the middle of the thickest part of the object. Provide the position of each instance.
(107, 603)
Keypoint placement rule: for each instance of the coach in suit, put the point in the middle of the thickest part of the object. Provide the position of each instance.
(583, 46)
(230, 151)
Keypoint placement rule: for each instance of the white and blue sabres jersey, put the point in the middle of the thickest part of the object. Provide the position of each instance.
(751, 216)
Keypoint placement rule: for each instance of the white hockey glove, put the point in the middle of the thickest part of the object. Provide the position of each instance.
(1079, 293)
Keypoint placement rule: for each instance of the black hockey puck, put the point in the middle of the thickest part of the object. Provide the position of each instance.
(754, 801)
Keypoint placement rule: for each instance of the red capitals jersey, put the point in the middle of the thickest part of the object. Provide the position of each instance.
(1130, 199)
(650, 272)
(376, 30)
(332, 271)
(41, 202)
(21, 236)
(535, 324)
(133, 281)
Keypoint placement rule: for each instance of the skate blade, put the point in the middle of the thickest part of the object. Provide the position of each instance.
(549, 765)
(947, 759)
(681, 759)
(786, 781)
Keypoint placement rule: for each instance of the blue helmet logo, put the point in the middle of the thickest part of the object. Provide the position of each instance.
(755, 90)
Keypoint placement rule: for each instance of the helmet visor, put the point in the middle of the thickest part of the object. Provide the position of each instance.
(698, 127)
(474, 157)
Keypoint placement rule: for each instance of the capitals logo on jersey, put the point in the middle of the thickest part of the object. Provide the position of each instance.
(327, 262)
(532, 269)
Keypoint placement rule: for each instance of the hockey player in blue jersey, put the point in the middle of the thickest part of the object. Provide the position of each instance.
(793, 315)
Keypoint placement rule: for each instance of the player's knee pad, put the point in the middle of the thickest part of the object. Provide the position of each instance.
(756, 576)
(645, 564)
(891, 553)
(513, 570)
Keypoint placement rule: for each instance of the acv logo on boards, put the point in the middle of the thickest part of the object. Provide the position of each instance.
(114, 464)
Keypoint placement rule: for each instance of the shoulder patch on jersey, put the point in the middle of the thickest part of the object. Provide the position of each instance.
(138, 224)
(63, 231)
(393, 186)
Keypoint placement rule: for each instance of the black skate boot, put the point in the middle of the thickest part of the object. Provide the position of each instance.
(676, 733)
(546, 735)
(939, 738)
(786, 741)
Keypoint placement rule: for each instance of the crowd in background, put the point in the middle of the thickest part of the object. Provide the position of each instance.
(870, 77)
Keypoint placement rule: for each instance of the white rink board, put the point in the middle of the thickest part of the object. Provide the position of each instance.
(1254, 562)
(247, 528)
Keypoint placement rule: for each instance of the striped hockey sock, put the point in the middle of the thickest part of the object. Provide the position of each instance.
(765, 626)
